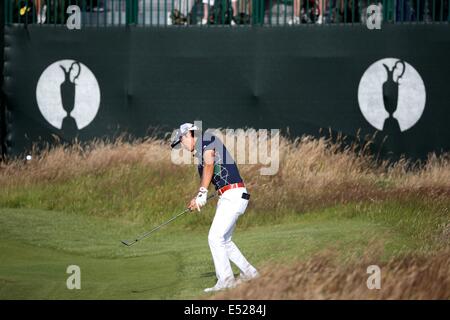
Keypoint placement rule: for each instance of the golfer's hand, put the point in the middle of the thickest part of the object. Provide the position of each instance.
(200, 200)
(193, 205)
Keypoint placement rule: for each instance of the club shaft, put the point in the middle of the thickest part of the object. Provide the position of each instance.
(163, 224)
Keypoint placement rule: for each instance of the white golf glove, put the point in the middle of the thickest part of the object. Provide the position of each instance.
(200, 201)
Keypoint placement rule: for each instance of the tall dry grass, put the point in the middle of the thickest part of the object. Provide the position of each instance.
(322, 277)
(62, 162)
(313, 173)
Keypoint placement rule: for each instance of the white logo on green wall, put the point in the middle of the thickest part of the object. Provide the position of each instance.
(391, 95)
(68, 95)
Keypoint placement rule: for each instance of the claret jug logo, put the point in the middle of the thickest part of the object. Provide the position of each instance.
(391, 95)
(68, 95)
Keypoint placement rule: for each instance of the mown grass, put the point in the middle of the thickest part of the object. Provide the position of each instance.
(38, 245)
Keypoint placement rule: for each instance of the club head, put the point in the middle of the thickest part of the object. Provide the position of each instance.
(128, 243)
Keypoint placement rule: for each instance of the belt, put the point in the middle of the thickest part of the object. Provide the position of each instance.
(230, 186)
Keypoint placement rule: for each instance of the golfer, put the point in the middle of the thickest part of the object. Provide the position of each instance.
(217, 166)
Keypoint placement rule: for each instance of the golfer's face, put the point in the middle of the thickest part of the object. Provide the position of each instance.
(188, 142)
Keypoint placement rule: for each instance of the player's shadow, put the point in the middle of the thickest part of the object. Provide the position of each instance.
(213, 274)
(152, 289)
(207, 275)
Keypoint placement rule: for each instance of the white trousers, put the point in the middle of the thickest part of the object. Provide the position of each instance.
(229, 207)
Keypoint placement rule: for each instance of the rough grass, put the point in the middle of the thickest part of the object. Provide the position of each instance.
(405, 277)
(138, 182)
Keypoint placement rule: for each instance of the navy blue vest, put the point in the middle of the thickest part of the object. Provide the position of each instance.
(225, 169)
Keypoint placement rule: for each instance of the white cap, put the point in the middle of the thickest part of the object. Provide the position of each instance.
(184, 128)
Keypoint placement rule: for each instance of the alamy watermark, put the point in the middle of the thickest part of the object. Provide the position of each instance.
(374, 15)
(74, 20)
(244, 146)
(74, 280)
(374, 280)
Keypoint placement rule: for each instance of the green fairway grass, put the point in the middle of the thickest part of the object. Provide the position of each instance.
(36, 247)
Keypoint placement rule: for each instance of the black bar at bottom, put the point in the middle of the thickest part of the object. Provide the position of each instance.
(229, 309)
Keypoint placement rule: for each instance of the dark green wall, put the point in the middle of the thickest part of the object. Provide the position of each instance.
(303, 79)
(2, 105)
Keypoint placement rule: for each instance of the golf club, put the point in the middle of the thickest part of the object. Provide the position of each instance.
(129, 243)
